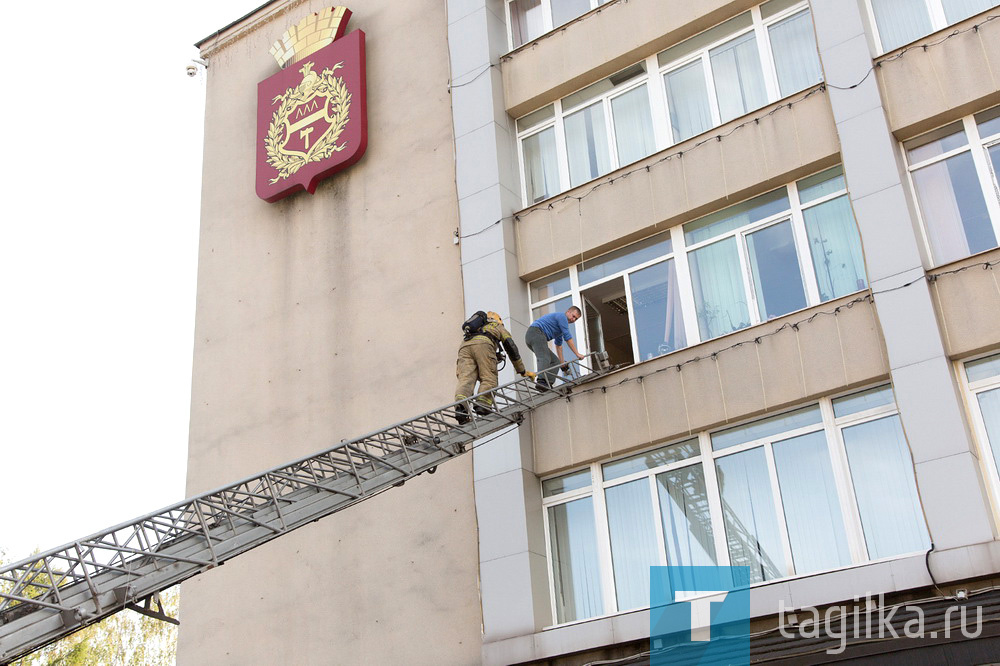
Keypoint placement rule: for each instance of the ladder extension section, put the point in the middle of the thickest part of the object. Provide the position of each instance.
(48, 596)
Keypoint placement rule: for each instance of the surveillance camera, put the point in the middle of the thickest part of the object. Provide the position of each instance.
(192, 70)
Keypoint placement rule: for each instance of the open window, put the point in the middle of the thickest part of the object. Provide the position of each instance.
(608, 322)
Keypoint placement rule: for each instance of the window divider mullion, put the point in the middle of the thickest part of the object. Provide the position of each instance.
(845, 484)
(661, 541)
(714, 500)
(562, 154)
(630, 304)
(803, 245)
(984, 172)
(602, 527)
(766, 56)
(685, 286)
(938, 18)
(779, 509)
(713, 98)
(657, 91)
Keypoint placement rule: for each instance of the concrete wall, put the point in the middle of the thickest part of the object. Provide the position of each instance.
(758, 157)
(323, 317)
(968, 305)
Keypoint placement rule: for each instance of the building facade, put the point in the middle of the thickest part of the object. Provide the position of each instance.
(781, 221)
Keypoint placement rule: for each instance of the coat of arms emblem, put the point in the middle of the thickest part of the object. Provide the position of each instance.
(311, 119)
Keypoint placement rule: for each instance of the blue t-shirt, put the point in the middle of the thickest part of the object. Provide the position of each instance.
(555, 326)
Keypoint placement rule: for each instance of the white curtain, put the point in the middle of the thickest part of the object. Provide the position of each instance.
(882, 471)
(836, 248)
(719, 294)
(633, 125)
(541, 169)
(575, 568)
(739, 79)
(812, 508)
(953, 208)
(751, 520)
(901, 21)
(687, 521)
(687, 97)
(633, 541)
(793, 45)
(956, 10)
(774, 264)
(587, 144)
(526, 20)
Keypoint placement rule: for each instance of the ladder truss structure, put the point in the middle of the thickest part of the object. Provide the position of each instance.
(52, 594)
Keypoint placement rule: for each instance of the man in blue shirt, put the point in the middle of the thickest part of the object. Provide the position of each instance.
(553, 326)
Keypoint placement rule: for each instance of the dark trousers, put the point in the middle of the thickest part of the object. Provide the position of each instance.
(544, 356)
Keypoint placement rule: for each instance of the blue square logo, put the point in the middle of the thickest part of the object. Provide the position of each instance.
(697, 616)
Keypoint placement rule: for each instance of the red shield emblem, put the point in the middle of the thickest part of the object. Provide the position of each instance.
(312, 119)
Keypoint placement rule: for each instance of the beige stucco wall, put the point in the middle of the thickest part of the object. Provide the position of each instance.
(321, 318)
(959, 76)
(785, 144)
(968, 304)
(832, 352)
(584, 51)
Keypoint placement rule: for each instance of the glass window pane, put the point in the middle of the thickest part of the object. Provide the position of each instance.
(703, 39)
(594, 90)
(882, 470)
(796, 60)
(994, 154)
(575, 570)
(536, 118)
(541, 167)
(739, 79)
(564, 484)
(633, 541)
(988, 122)
(751, 521)
(984, 368)
(567, 10)
(774, 425)
(526, 20)
(633, 125)
(836, 248)
(989, 405)
(550, 286)
(821, 184)
(812, 508)
(863, 401)
(901, 21)
(772, 7)
(587, 144)
(954, 210)
(687, 522)
(774, 263)
(651, 460)
(734, 217)
(719, 292)
(957, 10)
(625, 258)
(933, 144)
(659, 323)
(687, 100)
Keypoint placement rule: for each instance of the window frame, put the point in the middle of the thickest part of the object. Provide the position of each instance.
(547, 21)
(680, 254)
(985, 451)
(935, 12)
(657, 95)
(988, 180)
(829, 424)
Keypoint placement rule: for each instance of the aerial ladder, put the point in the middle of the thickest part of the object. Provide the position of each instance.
(50, 595)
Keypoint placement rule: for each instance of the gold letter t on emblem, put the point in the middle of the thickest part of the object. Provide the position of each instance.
(304, 134)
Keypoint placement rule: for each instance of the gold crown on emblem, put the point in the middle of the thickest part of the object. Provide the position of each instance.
(310, 35)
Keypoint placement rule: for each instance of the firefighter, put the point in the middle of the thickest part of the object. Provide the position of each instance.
(477, 361)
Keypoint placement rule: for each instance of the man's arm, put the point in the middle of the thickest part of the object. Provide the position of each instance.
(573, 348)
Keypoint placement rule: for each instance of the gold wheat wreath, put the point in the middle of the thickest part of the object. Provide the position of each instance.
(340, 105)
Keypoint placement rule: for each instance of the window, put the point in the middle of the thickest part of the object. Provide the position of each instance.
(763, 258)
(900, 22)
(725, 72)
(953, 171)
(982, 380)
(822, 487)
(532, 18)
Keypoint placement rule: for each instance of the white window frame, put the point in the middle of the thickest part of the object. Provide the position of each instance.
(980, 436)
(682, 272)
(656, 91)
(988, 180)
(935, 9)
(830, 425)
(547, 21)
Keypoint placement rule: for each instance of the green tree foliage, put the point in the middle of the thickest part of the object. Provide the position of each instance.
(124, 639)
